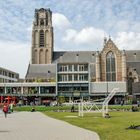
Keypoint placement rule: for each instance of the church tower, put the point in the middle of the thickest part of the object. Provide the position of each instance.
(42, 37)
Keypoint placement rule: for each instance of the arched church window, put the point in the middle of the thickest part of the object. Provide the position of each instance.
(42, 22)
(110, 67)
(41, 38)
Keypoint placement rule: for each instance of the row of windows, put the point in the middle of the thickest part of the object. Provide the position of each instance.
(73, 67)
(73, 77)
(72, 89)
(30, 90)
(8, 74)
(2, 80)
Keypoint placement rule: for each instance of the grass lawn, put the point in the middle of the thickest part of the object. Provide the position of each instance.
(67, 108)
(113, 128)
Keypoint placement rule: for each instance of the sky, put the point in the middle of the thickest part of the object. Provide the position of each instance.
(79, 25)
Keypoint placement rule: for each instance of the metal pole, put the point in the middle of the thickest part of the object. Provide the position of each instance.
(107, 88)
(79, 110)
(82, 107)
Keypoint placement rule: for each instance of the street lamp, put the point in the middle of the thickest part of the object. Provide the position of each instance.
(49, 75)
(106, 88)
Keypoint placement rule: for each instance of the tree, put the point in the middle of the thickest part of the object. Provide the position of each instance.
(61, 99)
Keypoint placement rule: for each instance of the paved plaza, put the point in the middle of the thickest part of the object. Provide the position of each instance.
(37, 126)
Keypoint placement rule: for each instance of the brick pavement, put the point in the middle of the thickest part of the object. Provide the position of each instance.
(37, 126)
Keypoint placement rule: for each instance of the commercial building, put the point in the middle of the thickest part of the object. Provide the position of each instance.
(8, 76)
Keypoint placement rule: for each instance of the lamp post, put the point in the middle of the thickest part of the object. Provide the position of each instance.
(73, 96)
(49, 76)
(106, 88)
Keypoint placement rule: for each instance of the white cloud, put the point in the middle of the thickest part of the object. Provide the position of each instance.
(15, 56)
(60, 21)
(70, 35)
(128, 40)
(88, 35)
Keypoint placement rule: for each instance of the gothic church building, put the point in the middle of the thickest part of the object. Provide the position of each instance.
(80, 74)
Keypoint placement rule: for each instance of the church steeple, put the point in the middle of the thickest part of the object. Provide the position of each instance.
(43, 17)
(42, 37)
(105, 40)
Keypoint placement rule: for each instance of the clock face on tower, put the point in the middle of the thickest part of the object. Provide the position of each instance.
(41, 15)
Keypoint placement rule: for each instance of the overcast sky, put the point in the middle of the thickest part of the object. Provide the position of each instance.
(78, 25)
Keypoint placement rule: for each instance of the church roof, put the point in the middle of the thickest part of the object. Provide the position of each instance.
(133, 59)
(74, 57)
(89, 56)
(41, 71)
(132, 55)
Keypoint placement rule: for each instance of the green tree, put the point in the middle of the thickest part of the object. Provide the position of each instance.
(61, 99)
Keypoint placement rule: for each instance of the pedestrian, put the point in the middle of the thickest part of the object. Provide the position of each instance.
(72, 108)
(11, 107)
(5, 109)
(1, 108)
(122, 102)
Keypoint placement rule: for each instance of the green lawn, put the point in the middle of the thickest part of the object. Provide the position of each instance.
(68, 108)
(113, 128)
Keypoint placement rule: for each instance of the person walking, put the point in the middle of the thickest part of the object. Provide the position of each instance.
(11, 107)
(72, 108)
(5, 109)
